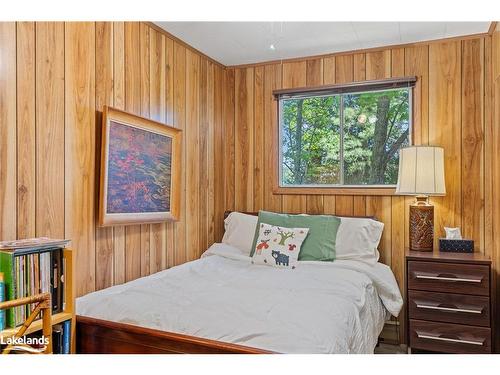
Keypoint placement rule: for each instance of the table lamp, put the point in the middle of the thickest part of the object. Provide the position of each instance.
(421, 173)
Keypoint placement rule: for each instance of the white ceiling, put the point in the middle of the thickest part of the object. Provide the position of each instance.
(234, 43)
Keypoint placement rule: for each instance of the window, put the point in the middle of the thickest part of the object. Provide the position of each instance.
(339, 139)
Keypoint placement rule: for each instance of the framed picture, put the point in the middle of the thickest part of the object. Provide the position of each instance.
(140, 170)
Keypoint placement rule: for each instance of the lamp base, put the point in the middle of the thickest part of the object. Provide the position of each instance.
(421, 226)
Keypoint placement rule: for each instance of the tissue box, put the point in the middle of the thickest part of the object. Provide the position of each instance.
(456, 246)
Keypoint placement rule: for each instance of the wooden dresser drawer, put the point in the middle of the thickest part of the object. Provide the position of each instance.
(449, 338)
(449, 277)
(448, 307)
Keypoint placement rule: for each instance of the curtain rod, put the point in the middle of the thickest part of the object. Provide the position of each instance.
(378, 84)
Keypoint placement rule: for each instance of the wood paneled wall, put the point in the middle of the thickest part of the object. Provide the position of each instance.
(449, 110)
(55, 79)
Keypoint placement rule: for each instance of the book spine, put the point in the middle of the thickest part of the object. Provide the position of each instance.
(15, 291)
(32, 279)
(60, 281)
(37, 273)
(18, 290)
(57, 339)
(8, 270)
(54, 271)
(63, 280)
(66, 337)
(2, 299)
(22, 289)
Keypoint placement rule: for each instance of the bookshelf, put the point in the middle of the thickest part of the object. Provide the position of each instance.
(67, 314)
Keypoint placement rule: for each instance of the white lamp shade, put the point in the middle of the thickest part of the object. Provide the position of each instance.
(421, 171)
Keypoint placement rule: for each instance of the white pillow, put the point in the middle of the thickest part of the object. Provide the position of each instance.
(239, 231)
(279, 246)
(358, 239)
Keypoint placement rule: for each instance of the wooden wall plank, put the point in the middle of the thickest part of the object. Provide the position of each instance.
(211, 172)
(203, 158)
(168, 256)
(80, 149)
(488, 135)
(472, 141)
(218, 155)
(119, 102)
(244, 139)
(8, 153)
(228, 111)
(314, 72)
(191, 133)
(259, 135)
(398, 62)
(26, 129)
(329, 70)
(378, 64)
(344, 69)
(359, 67)
(445, 128)
(50, 150)
(179, 106)
(359, 205)
(103, 96)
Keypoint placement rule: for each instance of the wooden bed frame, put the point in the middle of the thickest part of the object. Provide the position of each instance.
(96, 336)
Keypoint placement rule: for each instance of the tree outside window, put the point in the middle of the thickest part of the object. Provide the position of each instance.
(344, 139)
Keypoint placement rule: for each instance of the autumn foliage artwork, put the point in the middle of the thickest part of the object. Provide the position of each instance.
(139, 170)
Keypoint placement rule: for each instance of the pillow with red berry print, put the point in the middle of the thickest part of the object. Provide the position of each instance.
(278, 246)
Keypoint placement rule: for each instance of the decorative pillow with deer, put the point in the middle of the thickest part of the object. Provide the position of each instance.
(278, 246)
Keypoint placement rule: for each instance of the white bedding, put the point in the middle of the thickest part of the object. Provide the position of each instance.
(320, 307)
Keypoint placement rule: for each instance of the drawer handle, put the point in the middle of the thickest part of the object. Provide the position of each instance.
(438, 338)
(449, 309)
(443, 278)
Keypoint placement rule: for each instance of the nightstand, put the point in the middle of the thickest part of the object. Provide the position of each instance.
(448, 302)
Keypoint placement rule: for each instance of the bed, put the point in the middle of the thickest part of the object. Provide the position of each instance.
(222, 303)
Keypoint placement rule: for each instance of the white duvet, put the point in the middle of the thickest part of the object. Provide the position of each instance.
(319, 307)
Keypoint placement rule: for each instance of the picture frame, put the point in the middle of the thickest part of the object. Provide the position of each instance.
(140, 172)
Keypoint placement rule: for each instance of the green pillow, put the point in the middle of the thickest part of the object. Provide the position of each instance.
(319, 244)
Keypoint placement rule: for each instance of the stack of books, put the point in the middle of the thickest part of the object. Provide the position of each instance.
(31, 267)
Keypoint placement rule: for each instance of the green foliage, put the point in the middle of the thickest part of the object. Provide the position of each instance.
(375, 125)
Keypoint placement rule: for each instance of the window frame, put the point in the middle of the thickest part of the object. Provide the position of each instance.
(341, 90)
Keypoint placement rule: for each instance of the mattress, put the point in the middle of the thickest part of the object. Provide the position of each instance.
(319, 307)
